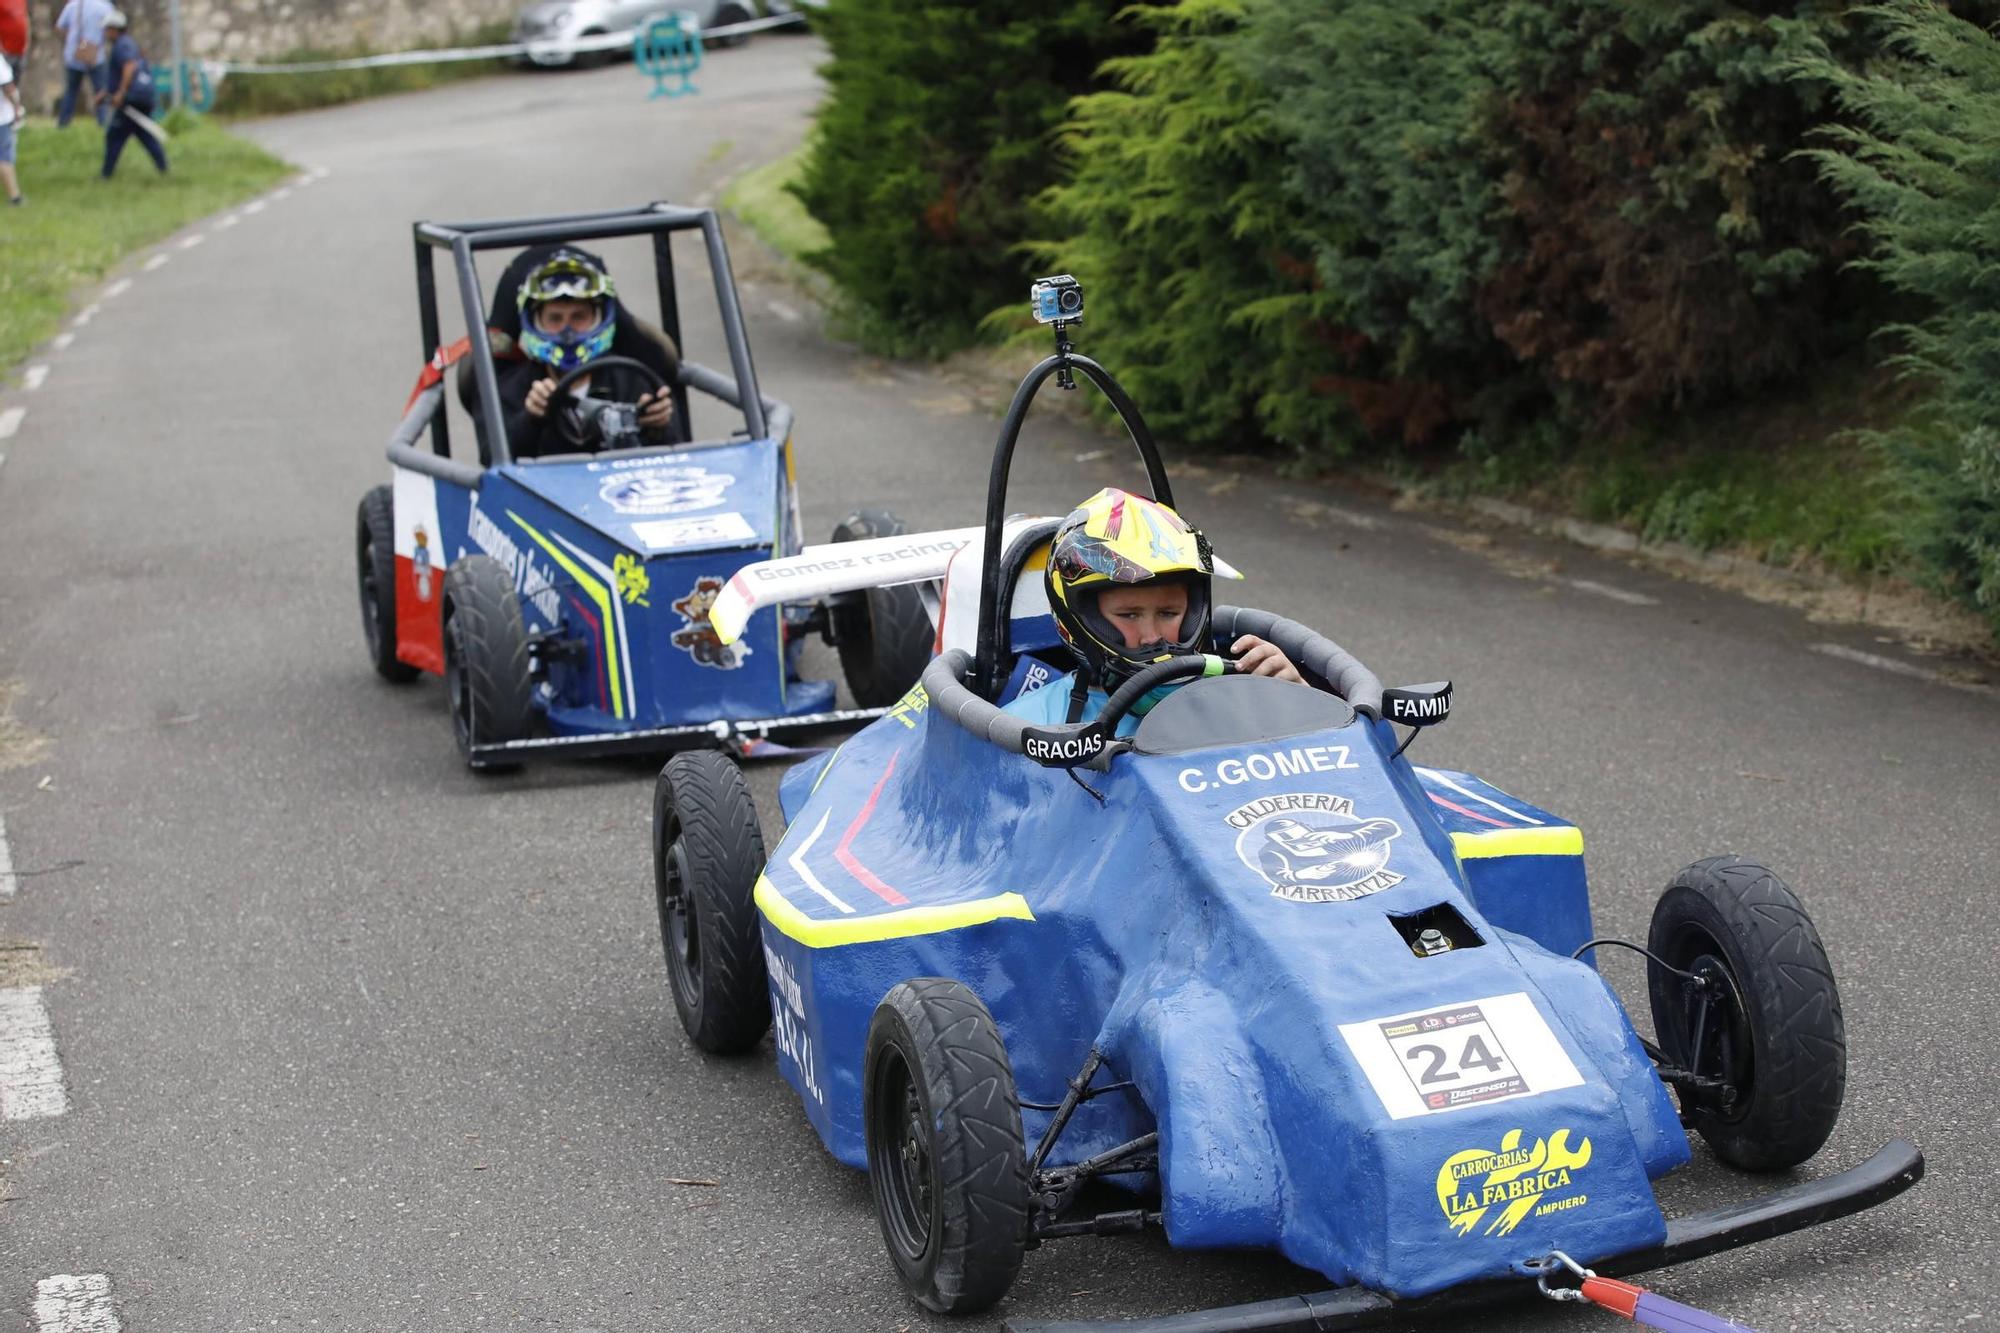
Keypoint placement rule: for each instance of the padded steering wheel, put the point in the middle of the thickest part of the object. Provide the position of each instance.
(1187, 666)
(569, 421)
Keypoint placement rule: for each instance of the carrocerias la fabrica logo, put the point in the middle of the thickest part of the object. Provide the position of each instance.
(1312, 848)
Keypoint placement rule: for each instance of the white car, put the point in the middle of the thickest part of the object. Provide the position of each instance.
(550, 29)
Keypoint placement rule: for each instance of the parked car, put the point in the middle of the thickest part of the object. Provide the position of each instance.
(552, 29)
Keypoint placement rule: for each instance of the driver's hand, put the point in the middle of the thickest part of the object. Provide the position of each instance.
(1258, 657)
(537, 401)
(656, 409)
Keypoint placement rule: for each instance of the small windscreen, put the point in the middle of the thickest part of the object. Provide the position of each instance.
(1235, 710)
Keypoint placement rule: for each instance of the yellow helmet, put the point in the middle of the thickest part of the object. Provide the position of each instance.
(1116, 538)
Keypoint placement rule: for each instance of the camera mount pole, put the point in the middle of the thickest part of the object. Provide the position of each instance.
(1064, 378)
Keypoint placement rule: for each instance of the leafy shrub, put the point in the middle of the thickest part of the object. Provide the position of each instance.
(934, 139)
(1923, 168)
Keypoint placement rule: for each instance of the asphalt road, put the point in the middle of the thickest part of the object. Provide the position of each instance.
(357, 1040)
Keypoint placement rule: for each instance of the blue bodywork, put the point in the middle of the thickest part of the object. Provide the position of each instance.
(1403, 1122)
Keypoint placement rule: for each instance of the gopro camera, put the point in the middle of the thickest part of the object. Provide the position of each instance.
(1056, 300)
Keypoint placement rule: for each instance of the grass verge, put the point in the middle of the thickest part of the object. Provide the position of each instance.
(772, 212)
(244, 95)
(75, 227)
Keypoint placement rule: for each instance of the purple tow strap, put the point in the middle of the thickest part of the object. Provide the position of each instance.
(1658, 1312)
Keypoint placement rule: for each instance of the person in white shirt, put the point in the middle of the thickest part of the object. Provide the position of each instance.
(10, 117)
(82, 26)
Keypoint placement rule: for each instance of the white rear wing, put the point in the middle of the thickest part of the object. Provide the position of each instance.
(820, 571)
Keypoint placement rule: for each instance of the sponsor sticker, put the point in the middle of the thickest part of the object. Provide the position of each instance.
(1502, 1186)
(1296, 762)
(664, 489)
(913, 705)
(698, 638)
(1455, 1055)
(788, 1022)
(1311, 847)
(669, 534)
(420, 564)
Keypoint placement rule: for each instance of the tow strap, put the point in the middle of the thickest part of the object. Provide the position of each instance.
(433, 373)
(1636, 1303)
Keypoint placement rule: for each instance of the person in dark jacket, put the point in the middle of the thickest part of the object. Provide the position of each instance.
(131, 89)
(569, 317)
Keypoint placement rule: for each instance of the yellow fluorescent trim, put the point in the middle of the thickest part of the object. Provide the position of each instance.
(1519, 842)
(883, 925)
(599, 595)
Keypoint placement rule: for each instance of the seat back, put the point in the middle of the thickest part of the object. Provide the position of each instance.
(1024, 561)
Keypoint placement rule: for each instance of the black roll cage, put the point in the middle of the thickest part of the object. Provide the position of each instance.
(658, 220)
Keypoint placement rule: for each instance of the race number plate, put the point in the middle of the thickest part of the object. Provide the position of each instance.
(1464, 1054)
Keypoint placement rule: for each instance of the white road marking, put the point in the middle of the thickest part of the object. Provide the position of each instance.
(10, 421)
(321, 173)
(85, 315)
(283, 192)
(1899, 668)
(6, 864)
(191, 242)
(60, 341)
(157, 261)
(1615, 594)
(32, 377)
(797, 860)
(783, 311)
(31, 1084)
(75, 1303)
(118, 288)
(227, 220)
(254, 206)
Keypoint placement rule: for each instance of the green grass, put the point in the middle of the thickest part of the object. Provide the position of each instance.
(76, 228)
(779, 220)
(243, 95)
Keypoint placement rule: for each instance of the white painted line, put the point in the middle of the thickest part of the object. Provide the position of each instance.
(157, 261)
(254, 206)
(6, 864)
(191, 242)
(304, 181)
(85, 315)
(282, 192)
(227, 220)
(1899, 668)
(321, 173)
(797, 861)
(118, 288)
(75, 1303)
(31, 1083)
(10, 421)
(60, 341)
(32, 377)
(783, 311)
(1615, 594)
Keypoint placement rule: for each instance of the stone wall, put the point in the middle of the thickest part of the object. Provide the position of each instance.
(264, 30)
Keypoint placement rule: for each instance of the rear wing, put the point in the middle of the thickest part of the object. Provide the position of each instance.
(837, 567)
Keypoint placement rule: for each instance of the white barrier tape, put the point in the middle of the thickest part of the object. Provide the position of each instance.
(216, 69)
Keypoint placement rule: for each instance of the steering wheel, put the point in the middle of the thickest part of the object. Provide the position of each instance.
(1187, 666)
(571, 417)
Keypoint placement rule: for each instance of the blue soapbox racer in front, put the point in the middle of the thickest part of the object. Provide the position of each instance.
(1248, 963)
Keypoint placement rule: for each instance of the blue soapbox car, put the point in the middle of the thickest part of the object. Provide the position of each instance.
(1251, 965)
(565, 598)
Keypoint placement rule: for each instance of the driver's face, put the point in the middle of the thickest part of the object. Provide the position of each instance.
(1146, 612)
(564, 315)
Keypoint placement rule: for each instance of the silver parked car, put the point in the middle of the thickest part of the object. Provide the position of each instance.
(549, 28)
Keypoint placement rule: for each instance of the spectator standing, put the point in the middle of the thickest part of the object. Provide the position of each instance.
(10, 121)
(82, 26)
(13, 30)
(131, 90)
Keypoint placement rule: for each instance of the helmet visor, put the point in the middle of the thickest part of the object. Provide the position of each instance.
(566, 280)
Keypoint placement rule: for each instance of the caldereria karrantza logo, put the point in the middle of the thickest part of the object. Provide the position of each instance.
(1312, 848)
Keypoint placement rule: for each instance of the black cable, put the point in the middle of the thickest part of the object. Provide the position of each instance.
(1627, 944)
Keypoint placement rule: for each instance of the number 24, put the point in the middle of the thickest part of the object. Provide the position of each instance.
(1474, 1056)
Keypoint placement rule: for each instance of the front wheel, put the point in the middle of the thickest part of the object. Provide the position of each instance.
(1764, 1024)
(707, 853)
(946, 1161)
(883, 635)
(486, 658)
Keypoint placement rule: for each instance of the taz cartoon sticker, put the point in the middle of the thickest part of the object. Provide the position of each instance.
(1518, 1181)
(698, 638)
(1312, 848)
(664, 489)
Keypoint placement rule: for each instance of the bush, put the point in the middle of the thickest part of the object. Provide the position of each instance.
(935, 137)
(1923, 168)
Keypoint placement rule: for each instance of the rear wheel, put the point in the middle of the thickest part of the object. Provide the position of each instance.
(486, 657)
(375, 569)
(707, 853)
(883, 635)
(1764, 1023)
(946, 1161)
(725, 16)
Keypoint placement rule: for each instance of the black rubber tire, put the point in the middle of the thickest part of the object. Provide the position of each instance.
(707, 854)
(375, 570)
(1778, 1033)
(486, 657)
(946, 1162)
(725, 15)
(883, 635)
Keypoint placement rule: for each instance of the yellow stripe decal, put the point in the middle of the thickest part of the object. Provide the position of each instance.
(832, 759)
(884, 925)
(1551, 841)
(599, 594)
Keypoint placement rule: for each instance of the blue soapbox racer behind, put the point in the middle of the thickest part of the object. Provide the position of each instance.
(1251, 964)
(565, 598)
